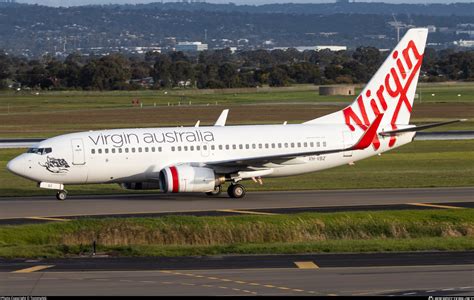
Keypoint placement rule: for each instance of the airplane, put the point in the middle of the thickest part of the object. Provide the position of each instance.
(203, 158)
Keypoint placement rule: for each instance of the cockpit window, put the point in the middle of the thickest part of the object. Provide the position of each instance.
(40, 151)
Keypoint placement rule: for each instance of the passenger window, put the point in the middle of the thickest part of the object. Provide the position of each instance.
(267, 146)
(247, 146)
(191, 148)
(213, 147)
(292, 145)
(204, 147)
(113, 150)
(299, 145)
(220, 147)
(153, 149)
(106, 150)
(324, 144)
(146, 149)
(198, 148)
(93, 151)
(234, 147)
(253, 146)
(120, 150)
(139, 149)
(179, 148)
(100, 151)
(172, 148)
(260, 146)
(286, 145)
(133, 150)
(311, 144)
(241, 146)
(227, 147)
(279, 145)
(305, 144)
(126, 150)
(318, 144)
(273, 145)
(159, 149)
(185, 148)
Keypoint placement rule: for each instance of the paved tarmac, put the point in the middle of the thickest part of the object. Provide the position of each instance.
(414, 279)
(262, 202)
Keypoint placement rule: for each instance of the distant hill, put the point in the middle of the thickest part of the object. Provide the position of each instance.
(33, 30)
(457, 9)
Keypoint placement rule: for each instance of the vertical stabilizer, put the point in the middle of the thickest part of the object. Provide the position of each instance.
(390, 91)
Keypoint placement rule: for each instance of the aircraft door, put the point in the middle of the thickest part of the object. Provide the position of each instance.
(78, 154)
(347, 138)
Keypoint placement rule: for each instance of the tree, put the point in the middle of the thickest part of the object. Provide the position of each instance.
(278, 77)
(228, 75)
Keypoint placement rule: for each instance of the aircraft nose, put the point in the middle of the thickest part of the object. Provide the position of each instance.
(15, 166)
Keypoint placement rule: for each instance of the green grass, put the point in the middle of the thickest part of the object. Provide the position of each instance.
(38, 101)
(299, 233)
(419, 164)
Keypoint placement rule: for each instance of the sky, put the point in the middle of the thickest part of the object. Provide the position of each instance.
(252, 2)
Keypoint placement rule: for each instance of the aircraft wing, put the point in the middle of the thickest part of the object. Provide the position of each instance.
(259, 161)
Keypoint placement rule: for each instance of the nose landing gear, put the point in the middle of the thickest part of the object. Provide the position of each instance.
(61, 195)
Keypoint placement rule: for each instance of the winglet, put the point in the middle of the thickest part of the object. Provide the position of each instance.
(197, 123)
(369, 135)
(222, 118)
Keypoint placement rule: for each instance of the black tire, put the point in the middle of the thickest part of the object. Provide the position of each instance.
(217, 190)
(236, 191)
(61, 195)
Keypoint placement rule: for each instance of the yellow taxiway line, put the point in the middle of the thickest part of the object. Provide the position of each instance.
(33, 269)
(435, 205)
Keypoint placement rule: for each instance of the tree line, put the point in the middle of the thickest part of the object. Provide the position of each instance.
(218, 69)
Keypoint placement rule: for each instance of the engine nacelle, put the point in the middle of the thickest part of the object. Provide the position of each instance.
(140, 185)
(185, 178)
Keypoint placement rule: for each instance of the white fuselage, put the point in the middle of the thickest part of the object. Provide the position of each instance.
(138, 155)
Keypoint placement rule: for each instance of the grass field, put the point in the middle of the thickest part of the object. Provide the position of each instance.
(33, 101)
(47, 114)
(299, 233)
(419, 164)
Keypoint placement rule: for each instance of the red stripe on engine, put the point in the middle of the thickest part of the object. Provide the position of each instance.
(174, 175)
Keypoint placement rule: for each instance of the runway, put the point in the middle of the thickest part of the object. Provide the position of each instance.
(260, 202)
(405, 274)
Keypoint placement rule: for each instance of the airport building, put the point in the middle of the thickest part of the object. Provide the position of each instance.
(191, 46)
(313, 48)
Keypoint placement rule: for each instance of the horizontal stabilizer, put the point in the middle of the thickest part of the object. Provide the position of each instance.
(418, 128)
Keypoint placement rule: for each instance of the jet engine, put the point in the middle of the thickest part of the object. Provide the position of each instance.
(185, 178)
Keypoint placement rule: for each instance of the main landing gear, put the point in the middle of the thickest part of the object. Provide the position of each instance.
(217, 190)
(236, 190)
(61, 195)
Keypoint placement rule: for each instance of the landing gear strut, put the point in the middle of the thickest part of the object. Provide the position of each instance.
(217, 190)
(236, 191)
(61, 195)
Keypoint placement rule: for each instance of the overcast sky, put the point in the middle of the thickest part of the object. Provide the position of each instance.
(256, 2)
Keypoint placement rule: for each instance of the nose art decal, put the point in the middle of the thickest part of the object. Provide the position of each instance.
(55, 165)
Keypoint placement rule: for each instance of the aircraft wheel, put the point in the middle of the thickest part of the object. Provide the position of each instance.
(236, 191)
(217, 190)
(61, 195)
